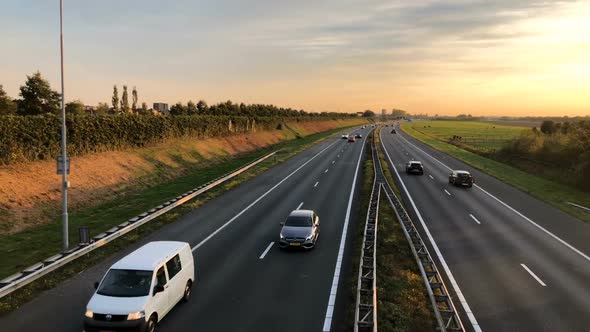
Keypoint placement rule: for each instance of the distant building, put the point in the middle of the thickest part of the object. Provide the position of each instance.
(359, 114)
(384, 112)
(162, 108)
(90, 109)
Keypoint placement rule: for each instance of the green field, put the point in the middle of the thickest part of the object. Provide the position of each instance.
(482, 136)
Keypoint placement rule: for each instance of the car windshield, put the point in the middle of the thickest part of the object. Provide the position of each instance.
(126, 283)
(463, 175)
(298, 222)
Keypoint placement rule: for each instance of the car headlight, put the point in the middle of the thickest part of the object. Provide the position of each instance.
(89, 314)
(308, 238)
(136, 315)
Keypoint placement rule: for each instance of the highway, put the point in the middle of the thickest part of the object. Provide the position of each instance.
(245, 283)
(514, 263)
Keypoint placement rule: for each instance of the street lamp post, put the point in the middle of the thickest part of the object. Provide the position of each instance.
(64, 160)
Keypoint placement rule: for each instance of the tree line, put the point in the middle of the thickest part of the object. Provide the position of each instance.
(37, 98)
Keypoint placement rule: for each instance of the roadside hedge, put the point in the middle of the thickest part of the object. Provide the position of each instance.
(29, 138)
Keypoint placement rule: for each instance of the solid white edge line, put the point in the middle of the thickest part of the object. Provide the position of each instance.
(577, 205)
(572, 248)
(334, 291)
(473, 217)
(299, 206)
(454, 283)
(448, 193)
(258, 199)
(534, 275)
(316, 184)
(266, 251)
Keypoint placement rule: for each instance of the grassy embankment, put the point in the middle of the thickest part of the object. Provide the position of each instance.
(402, 300)
(30, 246)
(549, 191)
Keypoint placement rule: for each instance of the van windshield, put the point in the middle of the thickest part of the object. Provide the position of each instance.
(126, 283)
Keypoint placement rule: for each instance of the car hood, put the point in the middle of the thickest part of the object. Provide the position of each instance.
(289, 231)
(116, 305)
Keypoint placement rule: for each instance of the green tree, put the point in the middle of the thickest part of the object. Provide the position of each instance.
(37, 97)
(202, 106)
(134, 100)
(191, 108)
(548, 127)
(125, 100)
(102, 108)
(178, 109)
(7, 106)
(75, 107)
(115, 99)
(368, 114)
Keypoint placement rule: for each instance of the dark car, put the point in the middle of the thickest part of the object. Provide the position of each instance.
(351, 139)
(414, 167)
(300, 230)
(461, 179)
(393, 131)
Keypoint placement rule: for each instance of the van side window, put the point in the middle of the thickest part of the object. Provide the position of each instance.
(161, 276)
(173, 266)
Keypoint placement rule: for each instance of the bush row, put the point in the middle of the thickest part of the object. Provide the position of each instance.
(32, 138)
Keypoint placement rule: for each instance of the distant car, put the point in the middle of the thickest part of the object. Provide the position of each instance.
(393, 131)
(414, 167)
(461, 179)
(344, 136)
(363, 127)
(351, 139)
(357, 135)
(300, 230)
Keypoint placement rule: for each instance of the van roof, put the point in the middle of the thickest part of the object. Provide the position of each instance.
(150, 256)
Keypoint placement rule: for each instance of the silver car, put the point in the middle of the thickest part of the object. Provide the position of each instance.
(301, 229)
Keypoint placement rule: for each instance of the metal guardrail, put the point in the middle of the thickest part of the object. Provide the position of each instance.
(365, 318)
(30, 274)
(446, 314)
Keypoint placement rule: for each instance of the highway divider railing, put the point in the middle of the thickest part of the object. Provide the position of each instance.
(35, 271)
(365, 317)
(447, 317)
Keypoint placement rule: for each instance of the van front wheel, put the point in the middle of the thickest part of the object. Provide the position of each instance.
(151, 324)
(187, 291)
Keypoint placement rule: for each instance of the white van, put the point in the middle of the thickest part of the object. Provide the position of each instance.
(140, 289)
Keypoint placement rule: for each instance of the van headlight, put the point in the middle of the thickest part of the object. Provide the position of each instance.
(89, 314)
(136, 315)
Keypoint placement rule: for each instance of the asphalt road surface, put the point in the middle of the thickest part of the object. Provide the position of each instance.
(245, 283)
(517, 263)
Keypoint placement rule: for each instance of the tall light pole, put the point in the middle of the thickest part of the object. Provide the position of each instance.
(64, 154)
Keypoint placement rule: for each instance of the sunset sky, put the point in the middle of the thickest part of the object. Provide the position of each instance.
(485, 57)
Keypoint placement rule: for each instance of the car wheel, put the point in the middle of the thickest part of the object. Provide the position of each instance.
(187, 291)
(151, 324)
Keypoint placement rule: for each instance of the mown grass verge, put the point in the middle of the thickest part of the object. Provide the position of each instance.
(26, 248)
(402, 300)
(551, 192)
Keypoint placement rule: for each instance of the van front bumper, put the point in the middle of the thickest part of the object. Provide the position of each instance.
(91, 325)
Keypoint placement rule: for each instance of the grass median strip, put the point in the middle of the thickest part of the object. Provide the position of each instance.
(403, 303)
(551, 192)
(31, 246)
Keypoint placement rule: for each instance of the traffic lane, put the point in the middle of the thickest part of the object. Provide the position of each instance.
(69, 299)
(498, 235)
(500, 293)
(264, 294)
(563, 225)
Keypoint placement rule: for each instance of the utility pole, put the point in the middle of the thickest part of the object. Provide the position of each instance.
(64, 155)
